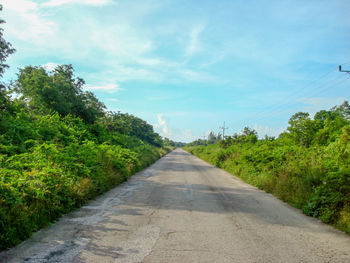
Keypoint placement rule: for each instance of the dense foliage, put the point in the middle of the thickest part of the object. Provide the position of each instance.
(57, 153)
(308, 166)
(60, 148)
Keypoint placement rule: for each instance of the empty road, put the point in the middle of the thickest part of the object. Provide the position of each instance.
(182, 209)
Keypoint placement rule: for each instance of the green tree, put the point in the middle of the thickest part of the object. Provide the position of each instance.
(58, 91)
(331, 123)
(301, 128)
(6, 49)
(128, 124)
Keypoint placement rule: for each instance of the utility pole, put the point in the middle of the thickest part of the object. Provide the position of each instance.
(346, 71)
(223, 131)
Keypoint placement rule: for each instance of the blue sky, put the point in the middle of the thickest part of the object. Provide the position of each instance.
(188, 66)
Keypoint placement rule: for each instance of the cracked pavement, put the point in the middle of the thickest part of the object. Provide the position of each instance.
(182, 209)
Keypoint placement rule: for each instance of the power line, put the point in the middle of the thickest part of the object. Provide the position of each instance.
(296, 94)
(310, 94)
(302, 92)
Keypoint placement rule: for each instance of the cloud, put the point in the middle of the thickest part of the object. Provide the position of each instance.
(188, 136)
(267, 130)
(123, 41)
(162, 123)
(180, 135)
(126, 51)
(185, 136)
(218, 56)
(112, 99)
(23, 21)
(195, 76)
(194, 44)
(53, 3)
(20, 6)
(313, 105)
(50, 66)
(110, 88)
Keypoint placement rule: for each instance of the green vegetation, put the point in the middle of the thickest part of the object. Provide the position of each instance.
(56, 153)
(308, 166)
(212, 138)
(60, 148)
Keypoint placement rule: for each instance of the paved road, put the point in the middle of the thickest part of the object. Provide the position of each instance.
(182, 209)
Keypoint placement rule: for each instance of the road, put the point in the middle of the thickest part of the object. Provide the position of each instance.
(182, 209)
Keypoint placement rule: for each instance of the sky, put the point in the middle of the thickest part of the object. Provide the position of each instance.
(188, 66)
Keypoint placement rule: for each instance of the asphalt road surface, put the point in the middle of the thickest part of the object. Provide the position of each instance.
(182, 209)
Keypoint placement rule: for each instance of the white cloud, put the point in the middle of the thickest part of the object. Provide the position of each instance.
(112, 99)
(196, 76)
(162, 127)
(127, 52)
(162, 123)
(194, 44)
(185, 136)
(266, 130)
(24, 22)
(122, 41)
(216, 58)
(110, 88)
(124, 73)
(316, 104)
(53, 3)
(50, 66)
(188, 136)
(149, 61)
(20, 6)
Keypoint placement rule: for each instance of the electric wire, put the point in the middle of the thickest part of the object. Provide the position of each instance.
(302, 93)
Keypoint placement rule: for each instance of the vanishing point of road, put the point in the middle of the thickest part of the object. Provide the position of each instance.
(182, 209)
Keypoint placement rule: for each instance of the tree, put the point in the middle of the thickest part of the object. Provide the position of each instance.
(301, 128)
(58, 91)
(250, 135)
(130, 125)
(331, 123)
(6, 49)
(343, 109)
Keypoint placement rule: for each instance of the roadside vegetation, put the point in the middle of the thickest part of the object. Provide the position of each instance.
(59, 147)
(307, 166)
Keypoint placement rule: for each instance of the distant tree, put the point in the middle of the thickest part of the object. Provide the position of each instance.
(128, 124)
(247, 131)
(58, 91)
(250, 135)
(212, 138)
(168, 142)
(323, 115)
(301, 128)
(331, 123)
(343, 109)
(269, 138)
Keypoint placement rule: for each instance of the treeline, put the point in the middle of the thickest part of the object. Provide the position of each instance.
(59, 147)
(173, 144)
(307, 166)
(211, 139)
